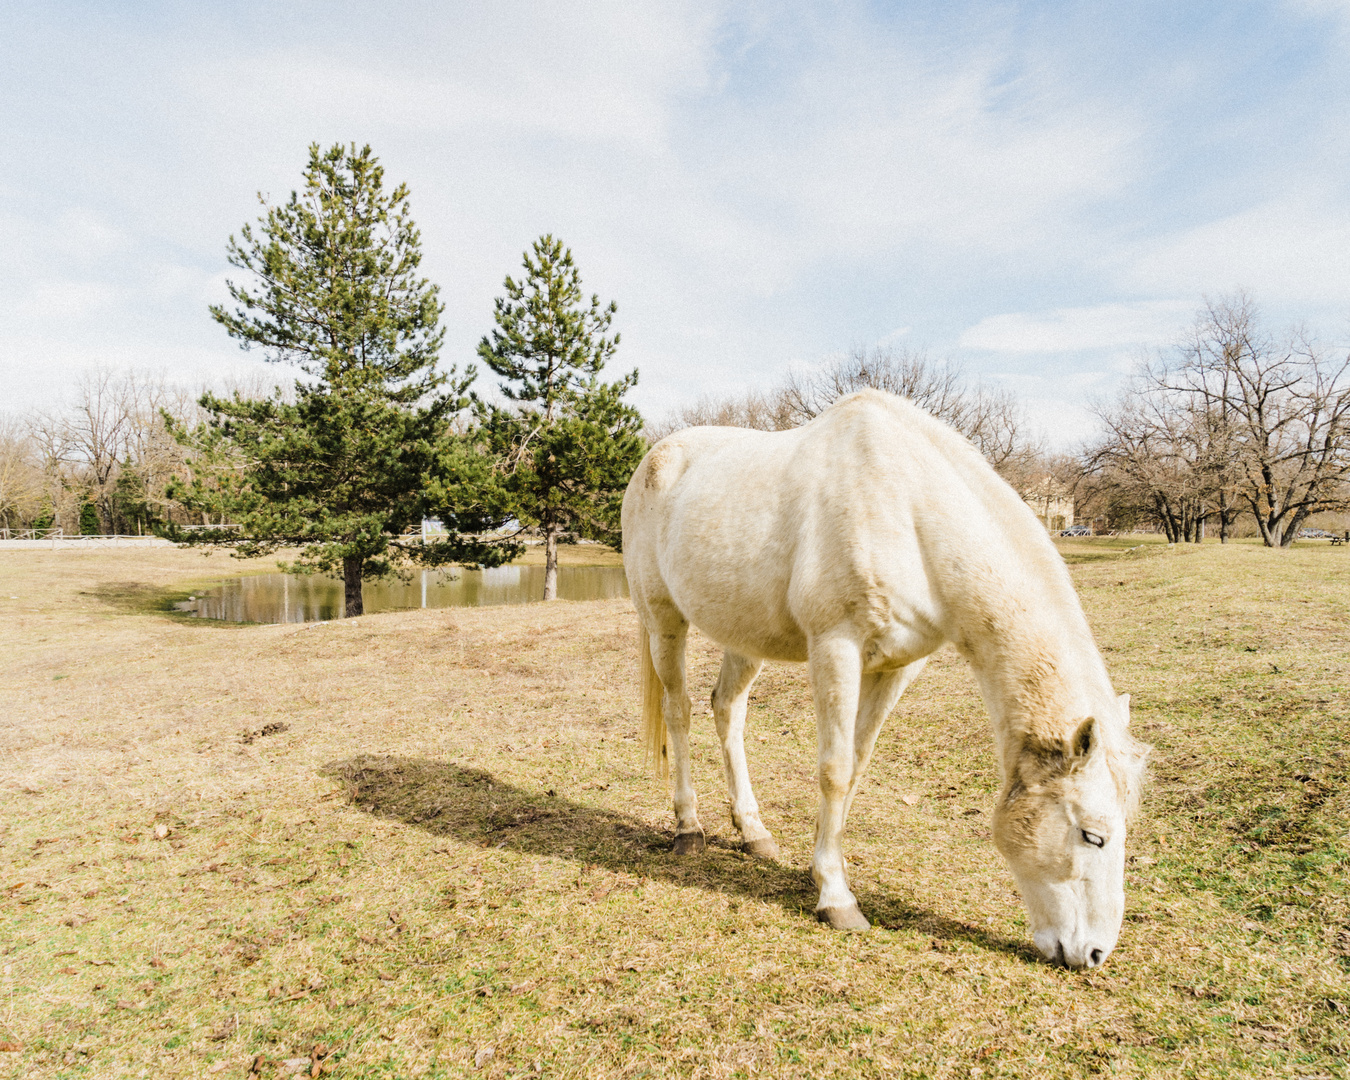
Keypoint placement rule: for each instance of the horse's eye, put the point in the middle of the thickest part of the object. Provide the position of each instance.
(1093, 839)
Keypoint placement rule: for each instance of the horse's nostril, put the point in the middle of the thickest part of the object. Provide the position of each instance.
(1095, 958)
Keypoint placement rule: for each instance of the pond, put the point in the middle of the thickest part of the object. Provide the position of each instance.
(297, 598)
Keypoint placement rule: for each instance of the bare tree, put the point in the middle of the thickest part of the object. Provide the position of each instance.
(990, 418)
(765, 412)
(1282, 408)
(1154, 460)
(99, 431)
(938, 388)
(1232, 419)
(21, 480)
(48, 436)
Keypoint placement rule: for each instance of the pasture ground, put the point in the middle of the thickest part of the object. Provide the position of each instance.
(425, 844)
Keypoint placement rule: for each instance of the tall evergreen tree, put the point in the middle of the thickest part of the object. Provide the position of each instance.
(363, 447)
(568, 442)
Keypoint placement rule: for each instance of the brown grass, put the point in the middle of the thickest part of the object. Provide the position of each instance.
(451, 860)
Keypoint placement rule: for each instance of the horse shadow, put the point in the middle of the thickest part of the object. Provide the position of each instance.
(473, 806)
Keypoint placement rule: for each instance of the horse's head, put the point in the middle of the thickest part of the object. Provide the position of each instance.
(1060, 823)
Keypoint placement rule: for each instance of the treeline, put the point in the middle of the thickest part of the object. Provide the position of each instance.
(103, 461)
(1233, 425)
(1235, 429)
(990, 417)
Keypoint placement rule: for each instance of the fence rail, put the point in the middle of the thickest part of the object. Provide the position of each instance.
(54, 539)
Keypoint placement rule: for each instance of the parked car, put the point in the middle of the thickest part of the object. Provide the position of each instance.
(1076, 530)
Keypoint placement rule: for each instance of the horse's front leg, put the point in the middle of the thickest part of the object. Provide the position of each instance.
(879, 693)
(667, 647)
(836, 672)
(729, 700)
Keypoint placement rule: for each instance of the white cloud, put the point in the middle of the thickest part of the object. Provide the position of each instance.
(1288, 250)
(754, 184)
(1103, 326)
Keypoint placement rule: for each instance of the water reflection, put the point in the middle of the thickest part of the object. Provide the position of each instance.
(292, 598)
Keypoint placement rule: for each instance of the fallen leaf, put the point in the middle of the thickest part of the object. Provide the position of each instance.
(10, 1048)
(68, 971)
(483, 1056)
(909, 800)
(602, 890)
(158, 963)
(161, 831)
(96, 963)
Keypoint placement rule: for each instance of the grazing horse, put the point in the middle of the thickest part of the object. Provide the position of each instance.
(858, 544)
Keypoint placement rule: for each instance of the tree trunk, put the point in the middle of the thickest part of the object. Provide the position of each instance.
(1291, 530)
(550, 563)
(351, 580)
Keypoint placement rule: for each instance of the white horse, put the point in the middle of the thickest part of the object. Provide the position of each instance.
(860, 543)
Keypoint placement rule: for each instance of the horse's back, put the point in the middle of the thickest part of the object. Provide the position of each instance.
(764, 539)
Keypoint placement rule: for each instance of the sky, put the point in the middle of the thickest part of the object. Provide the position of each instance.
(1039, 192)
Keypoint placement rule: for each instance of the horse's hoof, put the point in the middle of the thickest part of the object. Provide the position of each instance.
(690, 843)
(844, 918)
(761, 849)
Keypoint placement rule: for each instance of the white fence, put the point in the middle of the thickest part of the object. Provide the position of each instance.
(56, 539)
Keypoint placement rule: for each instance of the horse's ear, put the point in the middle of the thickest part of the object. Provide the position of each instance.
(1083, 739)
(1124, 700)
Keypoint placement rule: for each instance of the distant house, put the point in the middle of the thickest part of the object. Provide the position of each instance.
(1051, 502)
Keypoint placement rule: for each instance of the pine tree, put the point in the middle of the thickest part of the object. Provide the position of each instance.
(568, 442)
(363, 446)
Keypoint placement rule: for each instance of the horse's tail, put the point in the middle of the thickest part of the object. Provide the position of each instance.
(653, 716)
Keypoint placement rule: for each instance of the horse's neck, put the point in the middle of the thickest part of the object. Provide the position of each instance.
(1038, 668)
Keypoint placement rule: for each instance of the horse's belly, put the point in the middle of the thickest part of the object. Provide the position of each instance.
(741, 607)
(750, 633)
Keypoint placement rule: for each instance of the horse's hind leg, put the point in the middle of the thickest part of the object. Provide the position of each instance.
(667, 648)
(729, 699)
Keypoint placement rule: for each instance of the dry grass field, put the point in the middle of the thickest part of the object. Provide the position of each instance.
(424, 844)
